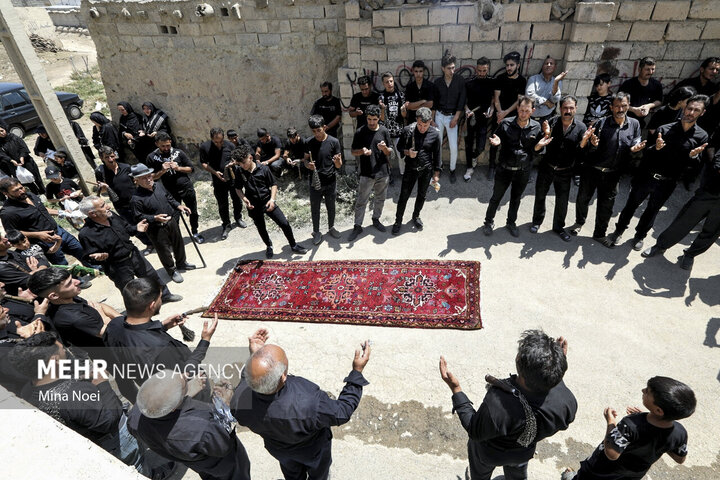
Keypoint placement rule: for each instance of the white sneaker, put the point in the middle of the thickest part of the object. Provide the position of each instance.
(468, 174)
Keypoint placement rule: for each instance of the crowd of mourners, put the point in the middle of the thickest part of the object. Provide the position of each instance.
(143, 188)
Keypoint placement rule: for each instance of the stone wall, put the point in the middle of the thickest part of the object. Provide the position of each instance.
(241, 67)
(259, 62)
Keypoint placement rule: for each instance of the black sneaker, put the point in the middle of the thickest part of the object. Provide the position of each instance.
(225, 232)
(317, 238)
(198, 238)
(172, 298)
(605, 241)
(297, 248)
(418, 223)
(396, 229)
(534, 228)
(176, 277)
(575, 229)
(514, 230)
(377, 224)
(637, 244)
(487, 229)
(186, 266)
(491, 173)
(269, 252)
(356, 231)
(686, 263)
(241, 223)
(564, 236)
(652, 251)
(147, 251)
(453, 177)
(616, 238)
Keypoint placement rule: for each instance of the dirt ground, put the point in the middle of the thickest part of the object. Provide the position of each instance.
(626, 319)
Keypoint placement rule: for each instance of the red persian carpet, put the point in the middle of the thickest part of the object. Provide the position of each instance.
(396, 293)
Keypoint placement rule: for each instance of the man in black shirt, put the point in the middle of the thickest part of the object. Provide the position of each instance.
(235, 139)
(704, 84)
(479, 94)
(25, 212)
(371, 146)
(294, 150)
(419, 93)
(15, 269)
(613, 139)
(105, 237)
(268, 151)
(449, 105)
(509, 86)
(520, 138)
(562, 155)
(154, 204)
(677, 149)
(173, 167)
(420, 144)
(517, 412)
(61, 162)
(323, 158)
(214, 158)
(392, 111)
(646, 93)
(361, 100)
(329, 108)
(256, 186)
(292, 414)
(60, 188)
(705, 204)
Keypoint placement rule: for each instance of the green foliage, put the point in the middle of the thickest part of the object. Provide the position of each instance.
(89, 86)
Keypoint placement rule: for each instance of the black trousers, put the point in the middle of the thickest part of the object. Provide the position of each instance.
(258, 215)
(189, 198)
(517, 180)
(312, 465)
(328, 192)
(221, 190)
(560, 179)
(641, 188)
(481, 468)
(475, 138)
(168, 242)
(702, 206)
(410, 177)
(492, 155)
(606, 185)
(137, 266)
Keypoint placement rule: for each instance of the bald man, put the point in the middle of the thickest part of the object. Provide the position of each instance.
(173, 424)
(291, 413)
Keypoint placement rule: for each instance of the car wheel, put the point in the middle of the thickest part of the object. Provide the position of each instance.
(74, 111)
(17, 130)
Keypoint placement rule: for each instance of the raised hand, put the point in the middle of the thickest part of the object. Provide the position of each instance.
(546, 128)
(698, 150)
(362, 357)
(638, 147)
(561, 76)
(208, 328)
(610, 415)
(562, 341)
(448, 377)
(544, 141)
(659, 142)
(258, 339)
(495, 141)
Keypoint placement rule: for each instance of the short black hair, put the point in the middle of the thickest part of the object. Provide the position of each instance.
(15, 236)
(316, 121)
(261, 132)
(27, 353)
(603, 77)
(647, 61)
(565, 98)
(7, 183)
(43, 281)
(372, 111)
(447, 59)
(364, 80)
(292, 132)
(418, 64)
(105, 151)
(525, 99)
(216, 131)
(619, 96)
(326, 85)
(514, 56)
(540, 361)
(139, 293)
(676, 399)
(231, 133)
(704, 99)
(387, 75)
(706, 63)
(241, 153)
(483, 61)
(162, 136)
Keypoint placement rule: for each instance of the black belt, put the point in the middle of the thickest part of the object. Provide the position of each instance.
(512, 169)
(657, 176)
(604, 170)
(558, 169)
(447, 112)
(124, 259)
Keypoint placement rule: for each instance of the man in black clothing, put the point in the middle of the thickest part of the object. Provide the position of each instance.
(418, 94)
(294, 150)
(292, 414)
(562, 155)
(393, 110)
(60, 188)
(613, 140)
(646, 93)
(517, 412)
(173, 424)
(479, 94)
(677, 149)
(420, 144)
(704, 84)
(173, 167)
(154, 204)
(235, 139)
(519, 138)
(361, 100)
(256, 186)
(268, 152)
(15, 269)
(24, 211)
(329, 108)
(509, 86)
(105, 238)
(62, 163)
(704, 205)
(323, 155)
(214, 158)
(449, 105)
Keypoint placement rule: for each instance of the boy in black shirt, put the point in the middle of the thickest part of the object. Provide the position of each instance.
(268, 150)
(640, 439)
(329, 108)
(361, 100)
(294, 150)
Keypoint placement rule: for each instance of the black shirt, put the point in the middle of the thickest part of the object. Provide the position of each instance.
(322, 153)
(393, 116)
(374, 165)
(517, 145)
(598, 107)
(113, 239)
(293, 420)
(329, 109)
(510, 89)
(256, 185)
(615, 141)
(480, 93)
(674, 158)
(500, 420)
(709, 181)
(640, 444)
(426, 144)
(295, 150)
(21, 216)
(358, 101)
(564, 150)
(177, 183)
(267, 150)
(146, 204)
(217, 158)
(62, 189)
(449, 99)
(77, 323)
(663, 116)
(121, 182)
(14, 272)
(68, 168)
(413, 93)
(641, 95)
